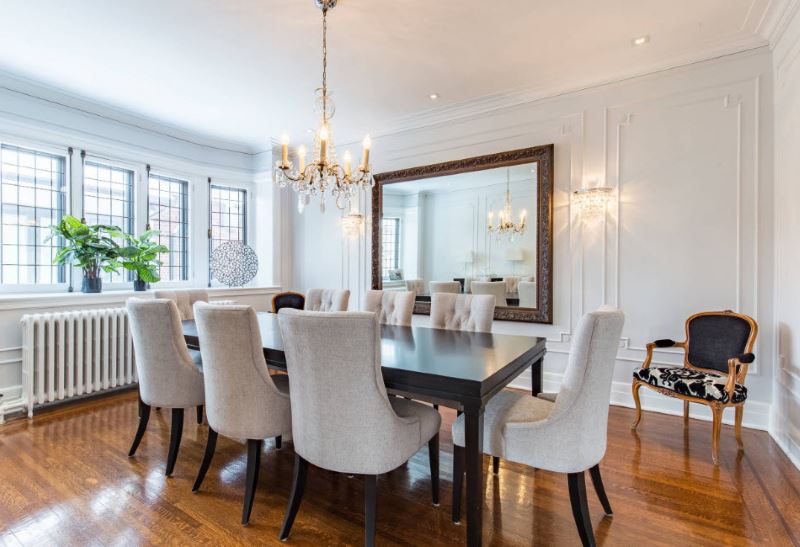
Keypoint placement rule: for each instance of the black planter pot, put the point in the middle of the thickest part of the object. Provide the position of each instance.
(139, 285)
(92, 284)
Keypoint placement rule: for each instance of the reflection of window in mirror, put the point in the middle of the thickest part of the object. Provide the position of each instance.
(390, 245)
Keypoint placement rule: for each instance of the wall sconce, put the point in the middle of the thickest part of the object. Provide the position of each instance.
(352, 225)
(592, 202)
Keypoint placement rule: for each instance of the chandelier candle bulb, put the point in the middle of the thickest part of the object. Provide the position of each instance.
(301, 157)
(285, 150)
(365, 161)
(323, 145)
(348, 159)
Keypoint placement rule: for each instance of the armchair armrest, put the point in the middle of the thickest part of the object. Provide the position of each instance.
(664, 343)
(734, 364)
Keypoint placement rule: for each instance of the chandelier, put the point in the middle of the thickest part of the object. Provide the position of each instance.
(323, 173)
(506, 224)
(592, 202)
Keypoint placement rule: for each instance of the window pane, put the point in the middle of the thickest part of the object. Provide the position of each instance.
(33, 198)
(228, 210)
(390, 245)
(167, 205)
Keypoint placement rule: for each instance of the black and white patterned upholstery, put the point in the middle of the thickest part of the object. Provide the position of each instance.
(695, 383)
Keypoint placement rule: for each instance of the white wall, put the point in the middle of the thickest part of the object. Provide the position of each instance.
(785, 425)
(689, 151)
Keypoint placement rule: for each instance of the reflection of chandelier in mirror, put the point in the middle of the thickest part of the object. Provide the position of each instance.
(591, 202)
(506, 225)
(323, 172)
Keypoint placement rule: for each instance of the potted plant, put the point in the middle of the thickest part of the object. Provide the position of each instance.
(140, 255)
(89, 247)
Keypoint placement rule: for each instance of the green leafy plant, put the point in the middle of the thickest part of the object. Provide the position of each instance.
(89, 247)
(140, 255)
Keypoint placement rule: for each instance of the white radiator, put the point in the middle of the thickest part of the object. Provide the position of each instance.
(73, 354)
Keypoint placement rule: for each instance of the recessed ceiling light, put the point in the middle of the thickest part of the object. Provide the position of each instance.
(640, 40)
(433, 96)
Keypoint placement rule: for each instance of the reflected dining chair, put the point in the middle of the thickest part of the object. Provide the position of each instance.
(168, 375)
(342, 418)
(445, 287)
(242, 400)
(527, 294)
(462, 312)
(416, 286)
(327, 300)
(567, 436)
(495, 288)
(717, 352)
(392, 307)
(288, 299)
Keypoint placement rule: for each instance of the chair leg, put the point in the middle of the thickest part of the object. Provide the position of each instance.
(176, 431)
(279, 442)
(495, 465)
(433, 459)
(685, 412)
(638, 403)
(716, 430)
(144, 417)
(370, 508)
(597, 481)
(211, 445)
(253, 463)
(580, 508)
(200, 414)
(298, 487)
(458, 481)
(435, 407)
(739, 415)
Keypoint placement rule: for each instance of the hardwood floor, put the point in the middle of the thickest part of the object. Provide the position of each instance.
(65, 479)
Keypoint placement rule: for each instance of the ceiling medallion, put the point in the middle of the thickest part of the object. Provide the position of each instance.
(323, 172)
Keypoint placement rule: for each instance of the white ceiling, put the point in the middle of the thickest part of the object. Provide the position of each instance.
(245, 71)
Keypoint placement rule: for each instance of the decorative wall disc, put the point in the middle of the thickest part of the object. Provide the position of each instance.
(234, 263)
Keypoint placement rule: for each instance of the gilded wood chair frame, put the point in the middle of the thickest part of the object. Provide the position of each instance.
(737, 372)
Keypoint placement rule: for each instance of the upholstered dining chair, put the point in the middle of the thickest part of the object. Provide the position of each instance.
(184, 299)
(495, 288)
(527, 294)
(445, 287)
(169, 377)
(568, 436)
(511, 282)
(288, 299)
(717, 352)
(392, 307)
(242, 400)
(462, 312)
(327, 300)
(342, 418)
(416, 286)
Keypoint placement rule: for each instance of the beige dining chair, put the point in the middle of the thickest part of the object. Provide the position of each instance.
(565, 436)
(342, 418)
(242, 400)
(495, 288)
(392, 307)
(184, 299)
(527, 294)
(416, 286)
(512, 281)
(168, 375)
(462, 312)
(327, 300)
(445, 287)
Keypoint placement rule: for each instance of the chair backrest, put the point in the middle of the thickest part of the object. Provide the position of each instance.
(511, 282)
(341, 416)
(462, 311)
(327, 300)
(445, 286)
(527, 294)
(416, 286)
(392, 307)
(714, 337)
(167, 375)
(184, 299)
(288, 299)
(241, 399)
(495, 288)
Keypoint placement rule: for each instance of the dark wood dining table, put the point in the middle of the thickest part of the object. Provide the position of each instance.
(461, 370)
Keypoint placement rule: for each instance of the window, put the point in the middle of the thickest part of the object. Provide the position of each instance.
(390, 245)
(168, 212)
(33, 197)
(108, 199)
(228, 210)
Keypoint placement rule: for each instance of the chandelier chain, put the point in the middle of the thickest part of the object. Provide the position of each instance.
(325, 65)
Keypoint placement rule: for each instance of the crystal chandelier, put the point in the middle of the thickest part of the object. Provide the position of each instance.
(323, 173)
(506, 224)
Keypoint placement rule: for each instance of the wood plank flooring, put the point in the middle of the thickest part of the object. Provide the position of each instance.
(65, 479)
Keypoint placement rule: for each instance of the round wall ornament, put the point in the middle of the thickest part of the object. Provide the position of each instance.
(234, 263)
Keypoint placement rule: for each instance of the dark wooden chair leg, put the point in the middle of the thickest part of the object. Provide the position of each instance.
(580, 508)
(433, 459)
(495, 465)
(458, 481)
(211, 445)
(435, 407)
(176, 431)
(597, 481)
(200, 414)
(253, 463)
(279, 442)
(144, 417)
(298, 487)
(370, 508)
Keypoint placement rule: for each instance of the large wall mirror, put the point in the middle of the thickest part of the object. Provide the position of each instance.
(480, 225)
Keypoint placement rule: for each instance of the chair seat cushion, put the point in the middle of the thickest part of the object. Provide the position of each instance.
(429, 418)
(504, 408)
(695, 383)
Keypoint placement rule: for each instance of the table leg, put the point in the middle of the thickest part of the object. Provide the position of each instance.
(473, 439)
(537, 373)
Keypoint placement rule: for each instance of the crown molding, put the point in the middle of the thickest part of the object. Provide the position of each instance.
(776, 19)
